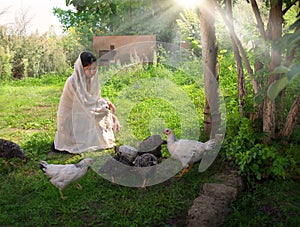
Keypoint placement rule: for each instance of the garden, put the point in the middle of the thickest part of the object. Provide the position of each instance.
(258, 101)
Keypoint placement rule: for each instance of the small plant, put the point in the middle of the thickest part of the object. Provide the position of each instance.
(244, 149)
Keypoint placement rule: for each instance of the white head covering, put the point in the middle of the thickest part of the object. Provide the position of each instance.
(88, 90)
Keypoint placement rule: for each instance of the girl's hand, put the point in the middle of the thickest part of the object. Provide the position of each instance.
(111, 105)
(117, 126)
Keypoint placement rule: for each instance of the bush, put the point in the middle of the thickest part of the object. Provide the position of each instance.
(243, 148)
(5, 65)
(35, 55)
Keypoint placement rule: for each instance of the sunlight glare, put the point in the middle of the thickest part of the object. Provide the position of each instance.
(187, 3)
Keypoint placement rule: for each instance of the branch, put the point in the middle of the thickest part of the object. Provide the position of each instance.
(4, 11)
(259, 21)
(241, 78)
(240, 46)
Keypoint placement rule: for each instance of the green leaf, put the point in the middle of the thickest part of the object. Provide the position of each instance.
(294, 71)
(280, 69)
(276, 87)
(296, 40)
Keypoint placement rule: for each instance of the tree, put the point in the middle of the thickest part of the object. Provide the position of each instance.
(118, 17)
(235, 44)
(270, 59)
(209, 59)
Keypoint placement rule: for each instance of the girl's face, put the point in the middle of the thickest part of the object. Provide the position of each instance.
(91, 70)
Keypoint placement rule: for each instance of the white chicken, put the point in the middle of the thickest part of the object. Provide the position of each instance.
(62, 175)
(186, 151)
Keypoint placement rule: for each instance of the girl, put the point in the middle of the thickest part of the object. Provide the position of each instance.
(85, 121)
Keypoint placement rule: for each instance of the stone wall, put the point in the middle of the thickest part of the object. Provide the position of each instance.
(124, 48)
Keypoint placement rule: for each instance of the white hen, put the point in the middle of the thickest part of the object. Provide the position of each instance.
(186, 151)
(62, 175)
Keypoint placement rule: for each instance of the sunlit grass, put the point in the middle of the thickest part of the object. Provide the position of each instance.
(28, 108)
(28, 117)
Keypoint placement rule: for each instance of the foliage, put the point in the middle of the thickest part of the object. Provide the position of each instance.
(5, 66)
(118, 17)
(189, 25)
(277, 86)
(269, 50)
(244, 149)
(243, 146)
(85, 24)
(147, 17)
(34, 55)
(289, 44)
(72, 46)
(43, 55)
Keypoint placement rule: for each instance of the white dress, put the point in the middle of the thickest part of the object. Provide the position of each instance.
(84, 122)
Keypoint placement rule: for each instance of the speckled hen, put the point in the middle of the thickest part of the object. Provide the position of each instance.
(9, 149)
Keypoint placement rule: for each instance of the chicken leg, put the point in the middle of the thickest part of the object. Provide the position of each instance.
(184, 171)
(61, 195)
(78, 186)
(145, 181)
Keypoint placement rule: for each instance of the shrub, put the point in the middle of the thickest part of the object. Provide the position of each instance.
(34, 55)
(5, 65)
(243, 148)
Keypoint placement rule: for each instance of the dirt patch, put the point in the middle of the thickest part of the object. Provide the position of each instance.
(10, 130)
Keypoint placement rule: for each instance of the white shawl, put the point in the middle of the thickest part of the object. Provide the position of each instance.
(84, 122)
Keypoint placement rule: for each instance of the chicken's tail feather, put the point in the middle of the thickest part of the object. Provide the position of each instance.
(43, 166)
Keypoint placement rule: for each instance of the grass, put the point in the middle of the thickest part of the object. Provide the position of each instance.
(28, 117)
(271, 203)
(28, 198)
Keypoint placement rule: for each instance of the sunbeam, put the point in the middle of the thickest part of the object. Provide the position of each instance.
(187, 3)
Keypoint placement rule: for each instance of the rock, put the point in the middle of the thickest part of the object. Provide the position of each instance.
(212, 206)
(220, 191)
(207, 211)
(231, 178)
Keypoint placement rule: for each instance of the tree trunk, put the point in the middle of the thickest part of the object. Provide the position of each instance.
(235, 39)
(274, 34)
(258, 65)
(241, 77)
(130, 11)
(292, 119)
(260, 24)
(209, 57)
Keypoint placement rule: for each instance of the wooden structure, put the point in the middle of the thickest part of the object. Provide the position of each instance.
(124, 48)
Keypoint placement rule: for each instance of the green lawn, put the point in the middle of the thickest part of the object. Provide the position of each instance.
(28, 117)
